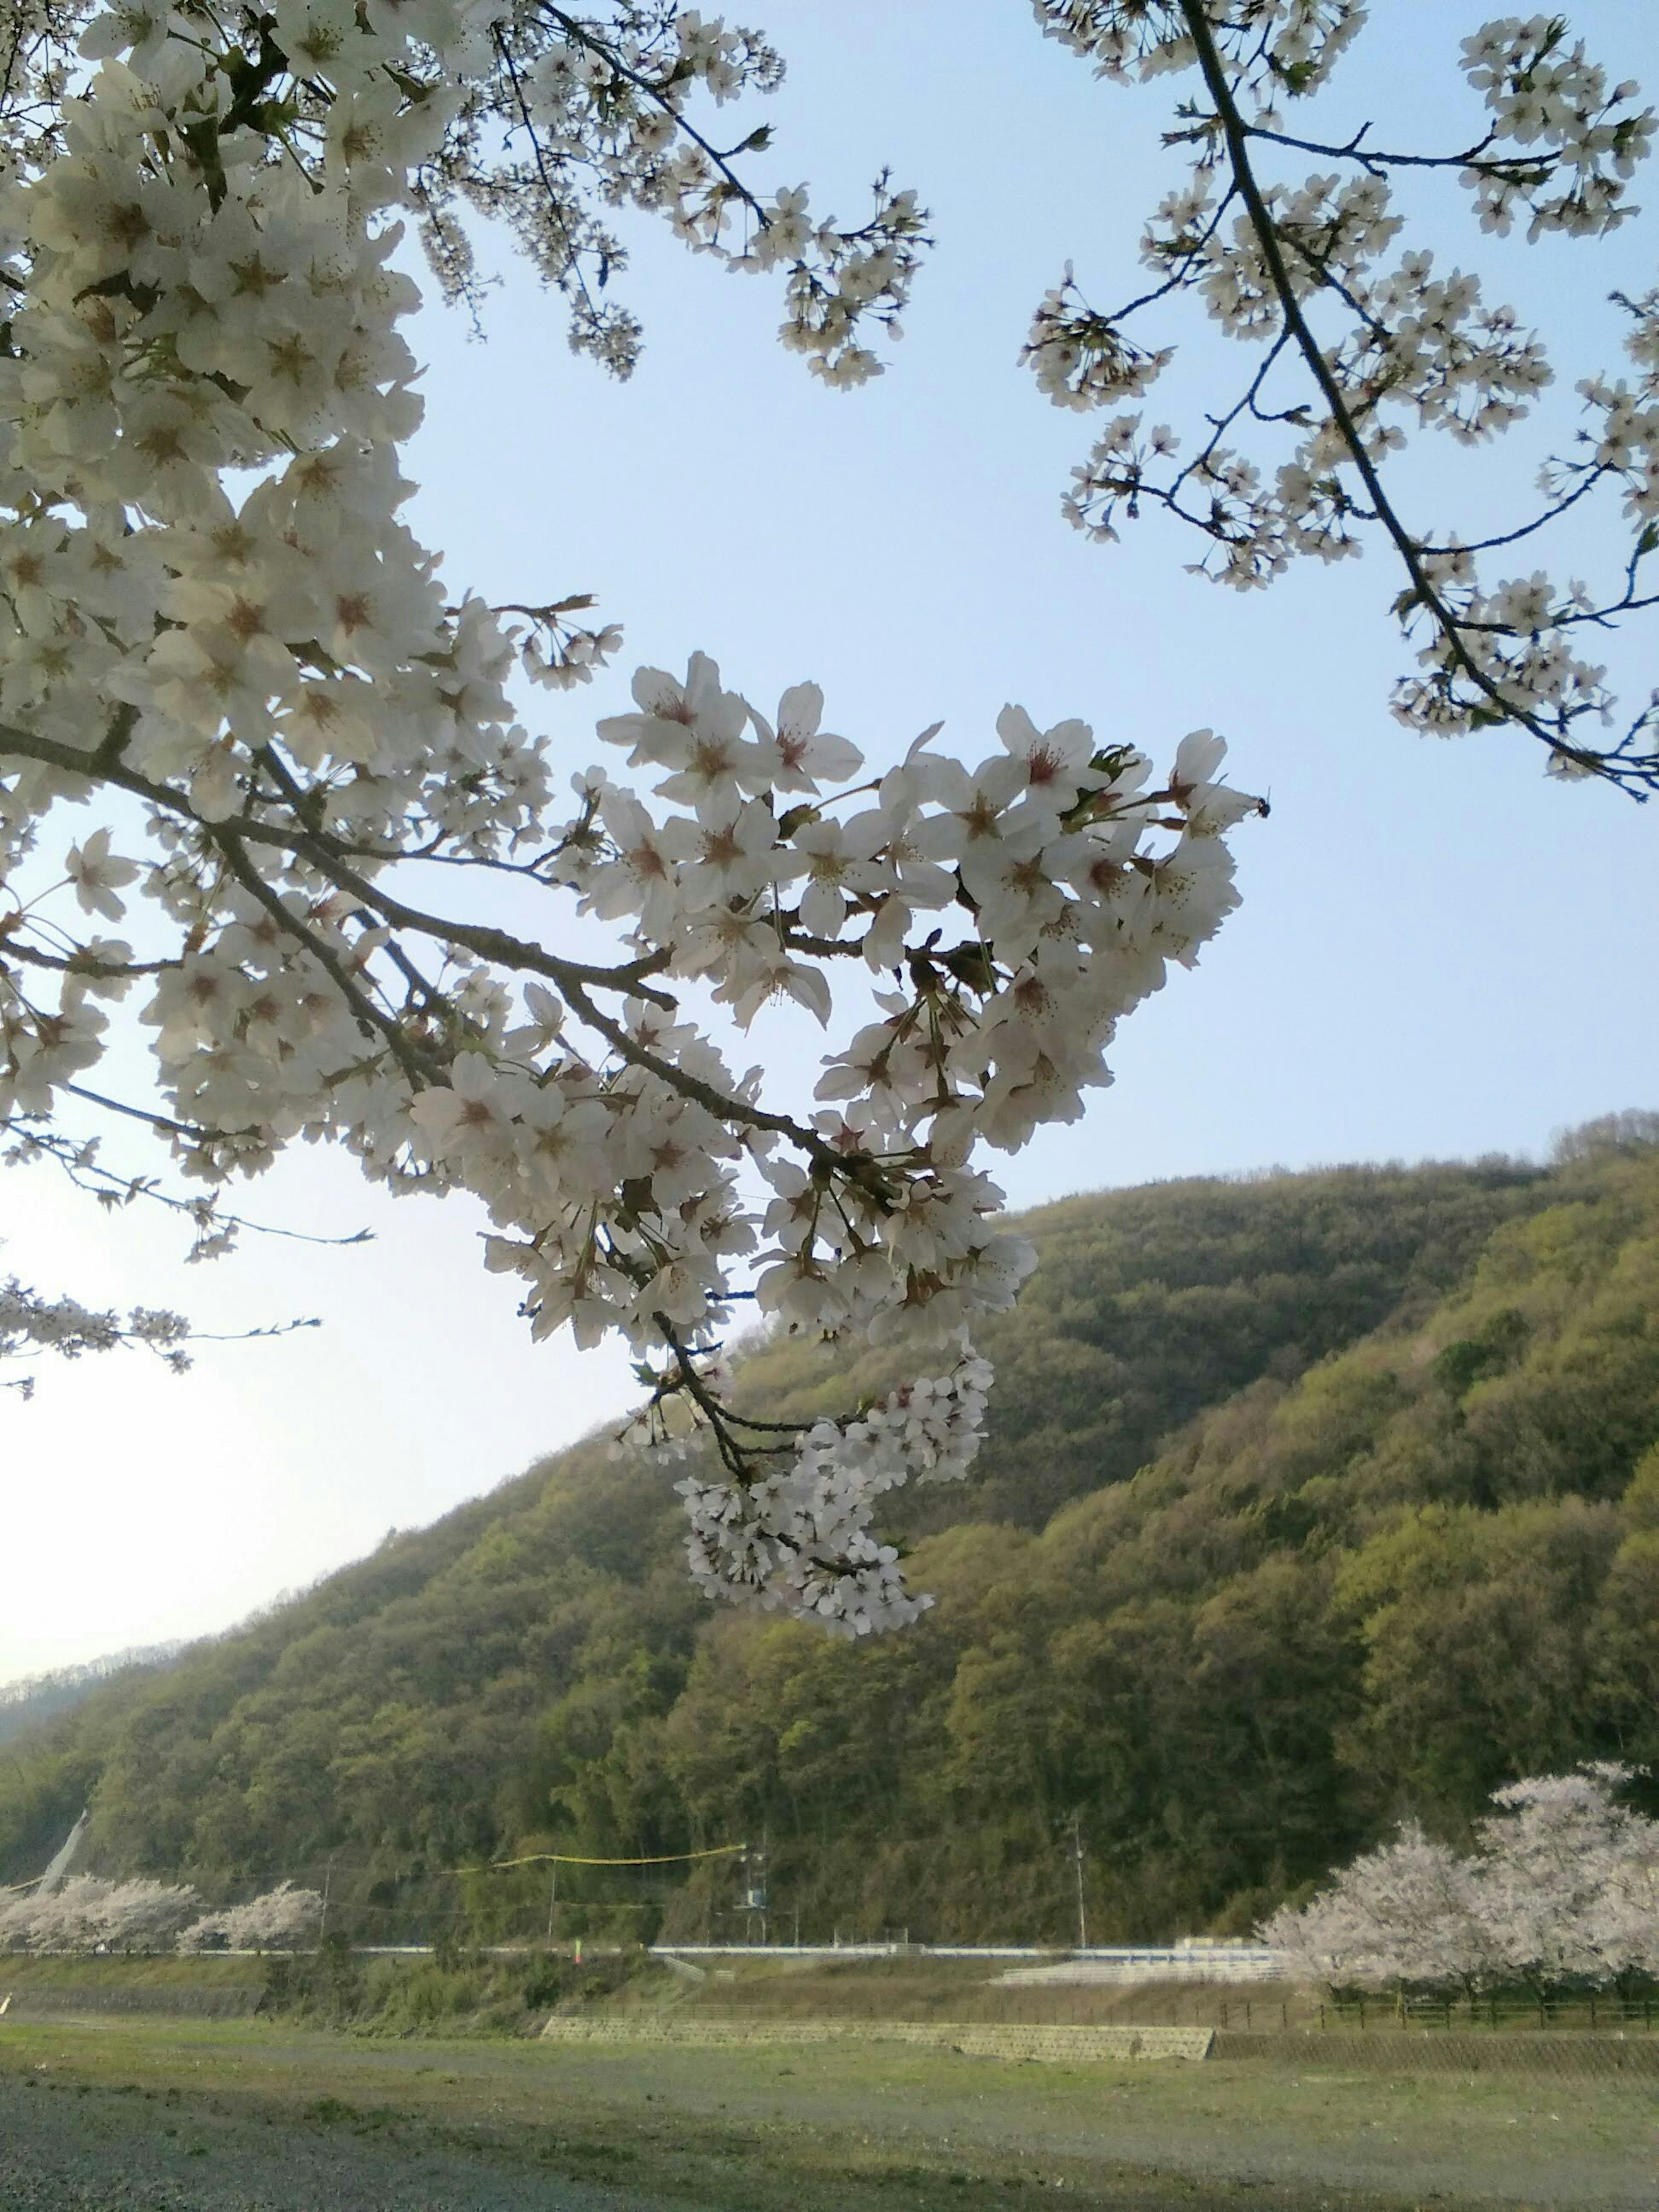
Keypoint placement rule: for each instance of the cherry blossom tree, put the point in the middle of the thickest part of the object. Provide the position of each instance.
(282, 1919)
(88, 1913)
(244, 721)
(1409, 1911)
(1569, 1879)
(1561, 1889)
(1360, 337)
(1624, 1916)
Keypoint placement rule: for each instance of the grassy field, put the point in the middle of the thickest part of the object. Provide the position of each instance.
(840, 2129)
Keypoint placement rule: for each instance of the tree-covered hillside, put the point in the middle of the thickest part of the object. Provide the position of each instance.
(1309, 1499)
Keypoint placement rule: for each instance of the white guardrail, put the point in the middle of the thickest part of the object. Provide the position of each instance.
(1190, 1961)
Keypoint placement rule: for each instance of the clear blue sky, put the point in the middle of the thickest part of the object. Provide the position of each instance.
(1439, 953)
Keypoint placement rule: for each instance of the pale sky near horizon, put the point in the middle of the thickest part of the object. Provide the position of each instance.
(1440, 953)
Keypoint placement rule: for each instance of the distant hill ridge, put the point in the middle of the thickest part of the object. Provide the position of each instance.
(33, 1698)
(1307, 1497)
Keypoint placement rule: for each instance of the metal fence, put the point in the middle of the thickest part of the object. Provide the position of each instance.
(1594, 2011)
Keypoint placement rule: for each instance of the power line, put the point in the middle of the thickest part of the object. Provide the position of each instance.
(569, 1858)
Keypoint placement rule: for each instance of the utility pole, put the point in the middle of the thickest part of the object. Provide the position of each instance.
(1077, 1863)
(755, 1897)
(552, 1902)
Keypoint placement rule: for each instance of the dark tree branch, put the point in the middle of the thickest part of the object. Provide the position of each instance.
(1424, 592)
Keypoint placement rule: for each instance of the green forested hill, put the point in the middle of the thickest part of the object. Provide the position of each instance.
(1309, 1499)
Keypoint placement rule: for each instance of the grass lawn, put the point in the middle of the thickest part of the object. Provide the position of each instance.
(835, 2129)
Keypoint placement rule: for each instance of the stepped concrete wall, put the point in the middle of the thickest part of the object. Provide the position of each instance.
(975, 2038)
(1181, 1963)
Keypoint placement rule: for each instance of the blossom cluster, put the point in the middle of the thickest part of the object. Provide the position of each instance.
(1293, 43)
(30, 1323)
(1562, 1889)
(873, 1221)
(1360, 349)
(1625, 441)
(799, 1539)
(577, 113)
(217, 632)
(1082, 359)
(1543, 92)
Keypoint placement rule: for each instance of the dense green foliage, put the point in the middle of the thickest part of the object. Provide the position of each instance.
(1309, 1499)
(456, 1991)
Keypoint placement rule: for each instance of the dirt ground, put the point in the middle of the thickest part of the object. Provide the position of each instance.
(126, 2115)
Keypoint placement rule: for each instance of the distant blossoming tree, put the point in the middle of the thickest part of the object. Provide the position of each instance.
(283, 1919)
(1409, 1911)
(89, 1914)
(1562, 1890)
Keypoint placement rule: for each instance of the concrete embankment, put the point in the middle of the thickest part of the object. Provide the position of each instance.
(973, 2039)
(41, 2003)
(194, 1989)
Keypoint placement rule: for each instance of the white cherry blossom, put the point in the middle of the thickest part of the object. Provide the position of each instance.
(223, 646)
(98, 874)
